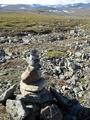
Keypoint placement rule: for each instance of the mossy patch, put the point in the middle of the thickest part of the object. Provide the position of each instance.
(55, 53)
(82, 81)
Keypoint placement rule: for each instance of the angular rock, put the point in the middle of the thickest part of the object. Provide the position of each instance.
(26, 40)
(68, 74)
(80, 94)
(57, 71)
(2, 56)
(62, 101)
(34, 56)
(3, 40)
(51, 112)
(33, 98)
(78, 54)
(62, 77)
(16, 109)
(7, 94)
(73, 80)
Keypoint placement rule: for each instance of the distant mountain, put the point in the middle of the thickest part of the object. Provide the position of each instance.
(16, 7)
(21, 7)
(64, 9)
(79, 5)
(38, 6)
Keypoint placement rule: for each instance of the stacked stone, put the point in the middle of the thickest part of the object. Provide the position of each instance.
(31, 80)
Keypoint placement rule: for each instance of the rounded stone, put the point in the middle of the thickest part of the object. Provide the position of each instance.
(30, 74)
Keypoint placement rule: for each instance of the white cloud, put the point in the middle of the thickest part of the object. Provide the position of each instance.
(42, 1)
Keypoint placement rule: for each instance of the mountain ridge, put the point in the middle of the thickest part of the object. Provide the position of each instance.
(69, 9)
(36, 6)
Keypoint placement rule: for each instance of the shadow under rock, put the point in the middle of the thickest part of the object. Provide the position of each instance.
(71, 109)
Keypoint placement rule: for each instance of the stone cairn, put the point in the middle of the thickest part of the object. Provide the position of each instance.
(31, 81)
(36, 102)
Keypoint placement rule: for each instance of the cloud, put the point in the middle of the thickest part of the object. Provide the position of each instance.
(42, 1)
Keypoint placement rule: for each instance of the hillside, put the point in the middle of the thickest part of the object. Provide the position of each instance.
(13, 23)
(63, 43)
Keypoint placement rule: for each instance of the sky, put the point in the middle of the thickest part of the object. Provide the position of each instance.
(44, 2)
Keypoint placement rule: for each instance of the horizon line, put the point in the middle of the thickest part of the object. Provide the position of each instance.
(42, 4)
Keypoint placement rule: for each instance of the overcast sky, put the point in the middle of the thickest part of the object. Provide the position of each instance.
(52, 2)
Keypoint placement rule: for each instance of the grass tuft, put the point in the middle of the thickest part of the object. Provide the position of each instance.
(52, 54)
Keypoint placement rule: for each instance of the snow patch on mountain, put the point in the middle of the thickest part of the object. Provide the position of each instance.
(66, 11)
(3, 5)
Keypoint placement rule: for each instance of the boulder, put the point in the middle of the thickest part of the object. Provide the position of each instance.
(16, 109)
(63, 101)
(8, 93)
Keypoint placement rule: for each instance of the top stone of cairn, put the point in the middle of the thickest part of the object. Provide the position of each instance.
(33, 60)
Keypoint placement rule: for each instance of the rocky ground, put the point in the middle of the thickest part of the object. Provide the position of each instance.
(65, 59)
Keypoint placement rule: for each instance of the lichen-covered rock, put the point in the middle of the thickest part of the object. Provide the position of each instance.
(16, 109)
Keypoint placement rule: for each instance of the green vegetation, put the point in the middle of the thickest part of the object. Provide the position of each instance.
(53, 53)
(13, 23)
(82, 80)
